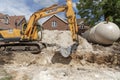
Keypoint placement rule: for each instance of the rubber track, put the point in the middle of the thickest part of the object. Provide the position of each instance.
(22, 44)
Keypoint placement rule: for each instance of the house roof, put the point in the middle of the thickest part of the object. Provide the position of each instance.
(1, 15)
(79, 21)
(11, 21)
(57, 17)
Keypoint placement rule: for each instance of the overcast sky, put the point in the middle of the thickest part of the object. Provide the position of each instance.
(27, 7)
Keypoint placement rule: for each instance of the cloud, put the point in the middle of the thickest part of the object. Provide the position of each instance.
(28, 7)
(45, 3)
(74, 5)
(14, 7)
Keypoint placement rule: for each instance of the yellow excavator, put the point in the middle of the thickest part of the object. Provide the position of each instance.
(28, 36)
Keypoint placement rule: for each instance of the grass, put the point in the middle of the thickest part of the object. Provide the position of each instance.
(6, 78)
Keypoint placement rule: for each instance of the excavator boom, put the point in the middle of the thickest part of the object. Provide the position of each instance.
(54, 9)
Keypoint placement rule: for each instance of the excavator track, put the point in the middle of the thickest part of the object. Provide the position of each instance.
(32, 47)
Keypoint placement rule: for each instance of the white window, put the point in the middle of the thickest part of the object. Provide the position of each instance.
(54, 24)
(10, 30)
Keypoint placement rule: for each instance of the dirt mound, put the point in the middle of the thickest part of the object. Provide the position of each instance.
(62, 38)
(87, 52)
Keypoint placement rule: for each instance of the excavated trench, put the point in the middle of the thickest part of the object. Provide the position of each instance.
(89, 62)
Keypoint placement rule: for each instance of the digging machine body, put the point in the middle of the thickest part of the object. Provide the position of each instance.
(27, 38)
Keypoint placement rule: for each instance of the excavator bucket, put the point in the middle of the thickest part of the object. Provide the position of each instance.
(66, 52)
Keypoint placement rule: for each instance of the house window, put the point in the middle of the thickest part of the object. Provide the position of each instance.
(10, 30)
(54, 24)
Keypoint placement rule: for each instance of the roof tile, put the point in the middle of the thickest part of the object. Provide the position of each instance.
(11, 22)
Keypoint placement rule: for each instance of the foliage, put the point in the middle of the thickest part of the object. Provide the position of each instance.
(112, 9)
(6, 78)
(96, 10)
(5, 75)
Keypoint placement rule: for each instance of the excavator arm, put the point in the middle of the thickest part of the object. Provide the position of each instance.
(31, 30)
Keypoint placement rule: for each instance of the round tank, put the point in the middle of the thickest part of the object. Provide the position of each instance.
(103, 33)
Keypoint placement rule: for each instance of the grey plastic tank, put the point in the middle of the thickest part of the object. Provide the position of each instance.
(103, 33)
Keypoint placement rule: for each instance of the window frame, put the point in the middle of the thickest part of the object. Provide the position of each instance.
(54, 24)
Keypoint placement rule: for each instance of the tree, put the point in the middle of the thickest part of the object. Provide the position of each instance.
(112, 9)
(97, 10)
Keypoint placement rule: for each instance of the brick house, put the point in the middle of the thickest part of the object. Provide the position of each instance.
(10, 22)
(57, 23)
